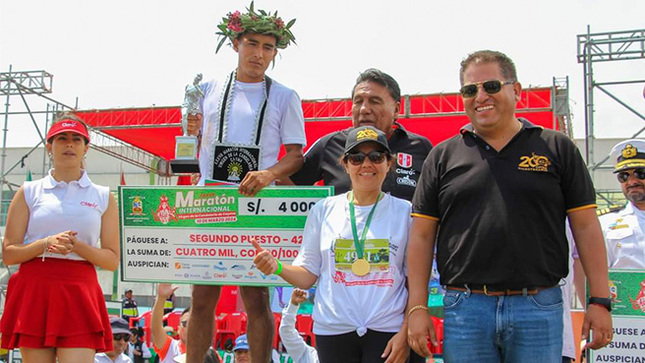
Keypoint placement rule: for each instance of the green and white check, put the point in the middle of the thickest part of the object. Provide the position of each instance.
(200, 235)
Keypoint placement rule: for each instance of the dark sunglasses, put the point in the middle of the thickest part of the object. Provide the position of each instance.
(184, 323)
(120, 336)
(491, 87)
(358, 158)
(624, 175)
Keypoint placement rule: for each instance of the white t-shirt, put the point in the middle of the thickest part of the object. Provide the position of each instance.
(283, 122)
(295, 345)
(55, 207)
(345, 302)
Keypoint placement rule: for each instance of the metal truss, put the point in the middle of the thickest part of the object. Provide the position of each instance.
(22, 83)
(424, 106)
(39, 83)
(611, 46)
(606, 47)
(561, 109)
(123, 151)
(126, 118)
(34, 82)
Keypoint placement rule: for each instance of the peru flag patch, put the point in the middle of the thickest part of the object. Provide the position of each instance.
(404, 160)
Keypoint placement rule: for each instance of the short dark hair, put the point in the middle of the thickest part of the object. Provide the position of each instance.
(211, 356)
(228, 344)
(186, 311)
(137, 332)
(382, 78)
(506, 65)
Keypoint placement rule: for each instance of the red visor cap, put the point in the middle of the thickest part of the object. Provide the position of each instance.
(68, 126)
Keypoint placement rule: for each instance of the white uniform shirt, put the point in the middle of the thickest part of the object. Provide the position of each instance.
(624, 237)
(283, 122)
(345, 302)
(568, 341)
(55, 207)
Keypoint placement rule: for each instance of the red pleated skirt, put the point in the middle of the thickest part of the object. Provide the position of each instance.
(55, 303)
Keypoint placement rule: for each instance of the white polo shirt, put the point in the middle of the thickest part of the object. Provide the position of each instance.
(55, 207)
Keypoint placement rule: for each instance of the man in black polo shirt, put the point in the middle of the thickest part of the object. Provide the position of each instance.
(501, 191)
(376, 102)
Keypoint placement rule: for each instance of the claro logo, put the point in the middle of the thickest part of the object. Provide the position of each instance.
(89, 204)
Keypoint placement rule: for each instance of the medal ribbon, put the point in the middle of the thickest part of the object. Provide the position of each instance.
(360, 244)
(224, 107)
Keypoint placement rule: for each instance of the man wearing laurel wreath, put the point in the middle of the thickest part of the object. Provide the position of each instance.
(244, 121)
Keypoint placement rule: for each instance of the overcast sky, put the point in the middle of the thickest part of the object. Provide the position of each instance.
(116, 54)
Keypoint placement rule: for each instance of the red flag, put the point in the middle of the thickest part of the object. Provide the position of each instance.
(122, 178)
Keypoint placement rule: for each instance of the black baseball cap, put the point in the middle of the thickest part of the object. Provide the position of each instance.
(365, 134)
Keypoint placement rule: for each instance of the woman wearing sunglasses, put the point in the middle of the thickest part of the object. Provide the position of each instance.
(55, 308)
(354, 247)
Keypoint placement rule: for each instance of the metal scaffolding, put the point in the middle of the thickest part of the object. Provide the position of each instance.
(561, 109)
(24, 83)
(39, 83)
(606, 47)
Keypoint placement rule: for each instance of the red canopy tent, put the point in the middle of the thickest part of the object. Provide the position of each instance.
(436, 116)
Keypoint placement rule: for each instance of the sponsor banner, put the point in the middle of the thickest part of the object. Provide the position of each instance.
(627, 289)
(201, 235)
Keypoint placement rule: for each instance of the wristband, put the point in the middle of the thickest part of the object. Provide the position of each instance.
(279, 270)
(415, 308)
(601, 301)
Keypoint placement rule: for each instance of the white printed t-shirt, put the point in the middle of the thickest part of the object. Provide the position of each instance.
(283, 123)
(345, 302)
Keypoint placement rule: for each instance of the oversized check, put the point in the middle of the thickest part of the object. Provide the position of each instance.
(200, 235)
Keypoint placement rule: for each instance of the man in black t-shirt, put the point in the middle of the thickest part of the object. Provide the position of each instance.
(501, 191)
(376, 102)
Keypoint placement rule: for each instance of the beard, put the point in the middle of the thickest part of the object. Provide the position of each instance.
(635, 196)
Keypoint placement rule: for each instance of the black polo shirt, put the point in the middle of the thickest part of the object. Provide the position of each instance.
(322, 162)
(502, 215)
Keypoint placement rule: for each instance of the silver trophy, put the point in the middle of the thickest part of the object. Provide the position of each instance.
(186, 145)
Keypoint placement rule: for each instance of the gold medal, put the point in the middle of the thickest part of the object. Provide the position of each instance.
(360, 267)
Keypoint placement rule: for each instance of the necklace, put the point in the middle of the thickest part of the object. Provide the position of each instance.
(227, 100)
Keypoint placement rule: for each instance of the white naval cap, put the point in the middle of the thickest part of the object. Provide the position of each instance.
(629, 154)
